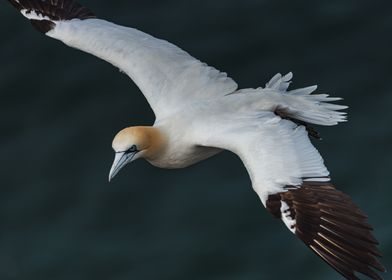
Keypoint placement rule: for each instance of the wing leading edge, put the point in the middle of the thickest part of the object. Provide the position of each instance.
(168, 76)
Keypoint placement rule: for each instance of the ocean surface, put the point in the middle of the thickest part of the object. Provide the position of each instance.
(60, 219)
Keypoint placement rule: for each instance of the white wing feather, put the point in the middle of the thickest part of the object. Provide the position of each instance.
(300, 104)
(167, 75)
(276, 152)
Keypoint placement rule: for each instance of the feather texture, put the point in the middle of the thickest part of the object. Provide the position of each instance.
(302, 105)
(330, 224)
(200, 112)
(168, 76)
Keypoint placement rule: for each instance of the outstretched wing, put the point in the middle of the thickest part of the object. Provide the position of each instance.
(289, 175)
(167, 75)
(329, 223)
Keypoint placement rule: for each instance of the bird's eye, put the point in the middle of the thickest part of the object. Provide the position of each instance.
(132, 149)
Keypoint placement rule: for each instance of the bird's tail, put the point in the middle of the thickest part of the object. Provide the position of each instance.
(301, 104)
(43, 14)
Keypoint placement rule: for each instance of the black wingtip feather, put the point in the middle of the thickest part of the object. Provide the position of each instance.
(55, 10)
(329, 223)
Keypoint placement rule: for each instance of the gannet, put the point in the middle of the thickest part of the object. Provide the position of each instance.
(200, 112)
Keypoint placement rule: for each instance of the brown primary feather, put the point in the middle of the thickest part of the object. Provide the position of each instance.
(329, 223)
(54, 9)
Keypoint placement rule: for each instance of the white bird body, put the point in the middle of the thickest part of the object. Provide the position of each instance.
(180, 149)
(200, 112)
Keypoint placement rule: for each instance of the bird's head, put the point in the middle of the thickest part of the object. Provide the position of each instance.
(132, 143)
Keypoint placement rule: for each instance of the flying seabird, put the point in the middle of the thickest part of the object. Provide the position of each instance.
(200, 112)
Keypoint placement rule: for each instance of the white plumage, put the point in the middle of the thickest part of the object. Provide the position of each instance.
(178, 87)
(167, 75)
(199, 113)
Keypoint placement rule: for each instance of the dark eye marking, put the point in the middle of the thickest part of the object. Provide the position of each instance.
(132, 149)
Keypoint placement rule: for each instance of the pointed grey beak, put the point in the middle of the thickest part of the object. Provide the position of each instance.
(121, 159)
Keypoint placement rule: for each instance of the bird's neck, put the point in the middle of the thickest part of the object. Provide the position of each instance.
(156, 142)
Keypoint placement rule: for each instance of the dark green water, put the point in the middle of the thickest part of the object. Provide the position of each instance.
(60, 109)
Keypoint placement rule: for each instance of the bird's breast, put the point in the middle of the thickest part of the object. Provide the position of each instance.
(182, 147)
(182, 157)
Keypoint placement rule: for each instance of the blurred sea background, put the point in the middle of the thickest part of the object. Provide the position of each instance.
(60, 108)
